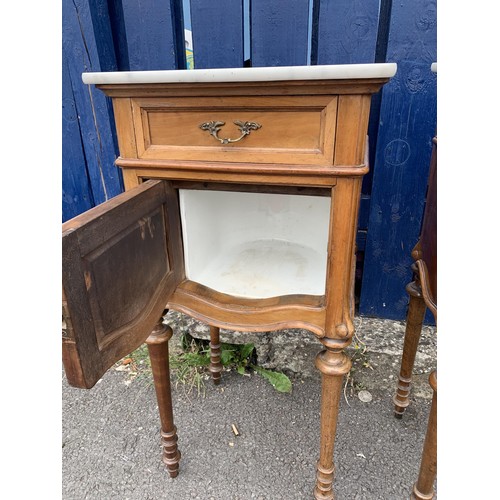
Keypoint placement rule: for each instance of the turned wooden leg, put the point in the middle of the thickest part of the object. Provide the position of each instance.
(414, 321)
(333, 364)
(215, 362)
(424, 487)
(157, 344)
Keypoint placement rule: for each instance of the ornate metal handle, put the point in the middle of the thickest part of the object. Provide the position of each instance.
(213, 128)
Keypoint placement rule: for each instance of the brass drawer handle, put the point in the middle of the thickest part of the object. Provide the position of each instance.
(213, 128)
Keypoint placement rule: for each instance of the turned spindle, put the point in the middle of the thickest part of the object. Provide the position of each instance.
(215, 367)
(333, 365)
(424, 487)
(414, 321)
(157, 344)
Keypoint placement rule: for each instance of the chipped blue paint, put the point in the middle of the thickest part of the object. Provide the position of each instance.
(85, 49)
(77, 195)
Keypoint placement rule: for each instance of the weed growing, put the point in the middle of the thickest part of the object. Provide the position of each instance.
(189, 364)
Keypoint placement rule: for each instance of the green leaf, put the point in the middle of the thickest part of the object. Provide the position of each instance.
(278, 380)
(241, 370)
(246, 351)
(226, 356)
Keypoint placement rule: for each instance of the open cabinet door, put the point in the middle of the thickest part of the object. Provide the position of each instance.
(122, 260)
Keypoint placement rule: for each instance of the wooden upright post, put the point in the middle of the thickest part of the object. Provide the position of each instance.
(424, 487)
(414, 321)
(157, 344)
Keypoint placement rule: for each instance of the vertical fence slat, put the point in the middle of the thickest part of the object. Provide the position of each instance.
(217, 28)
(384, 20)
(76, 193)
(154, 34)
(279, 32)
(346, 31)
(407, 125)
(85, 49)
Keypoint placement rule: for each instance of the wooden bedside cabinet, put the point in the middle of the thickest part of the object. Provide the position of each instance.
(240, 210)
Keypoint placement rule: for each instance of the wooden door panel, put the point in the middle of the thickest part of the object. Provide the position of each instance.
(121, 263)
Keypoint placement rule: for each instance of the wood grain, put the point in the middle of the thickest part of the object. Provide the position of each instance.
(253, 315)
(295, 129)
(238, 173)
(157, 343)
(110, 302)
(122, 109)
(276, 88)
(423, 489)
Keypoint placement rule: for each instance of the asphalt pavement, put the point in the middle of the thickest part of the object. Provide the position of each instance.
(111, 441)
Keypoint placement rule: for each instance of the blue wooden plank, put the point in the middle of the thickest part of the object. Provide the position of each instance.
(76, 193)
(103, 36)
(407, 125)
(217, 28)
(279, 32)
(384, 21)
(345, 31)
(119, 35)
(154, 33)
(86, 50)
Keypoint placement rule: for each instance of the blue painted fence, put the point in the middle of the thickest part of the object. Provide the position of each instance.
(107, 35)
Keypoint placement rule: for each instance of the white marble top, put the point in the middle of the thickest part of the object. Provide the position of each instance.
(281, 73)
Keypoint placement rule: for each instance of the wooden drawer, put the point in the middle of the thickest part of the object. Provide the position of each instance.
(293, 129)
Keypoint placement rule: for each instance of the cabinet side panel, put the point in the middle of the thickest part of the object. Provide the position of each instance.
(122, 108)
(352, 123)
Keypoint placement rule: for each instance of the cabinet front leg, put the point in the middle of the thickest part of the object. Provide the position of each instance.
(215, 361)
(157, 344)
(414, 321)
(333, 365)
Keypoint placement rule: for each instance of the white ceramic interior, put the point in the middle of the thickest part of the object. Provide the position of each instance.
(255, 245)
